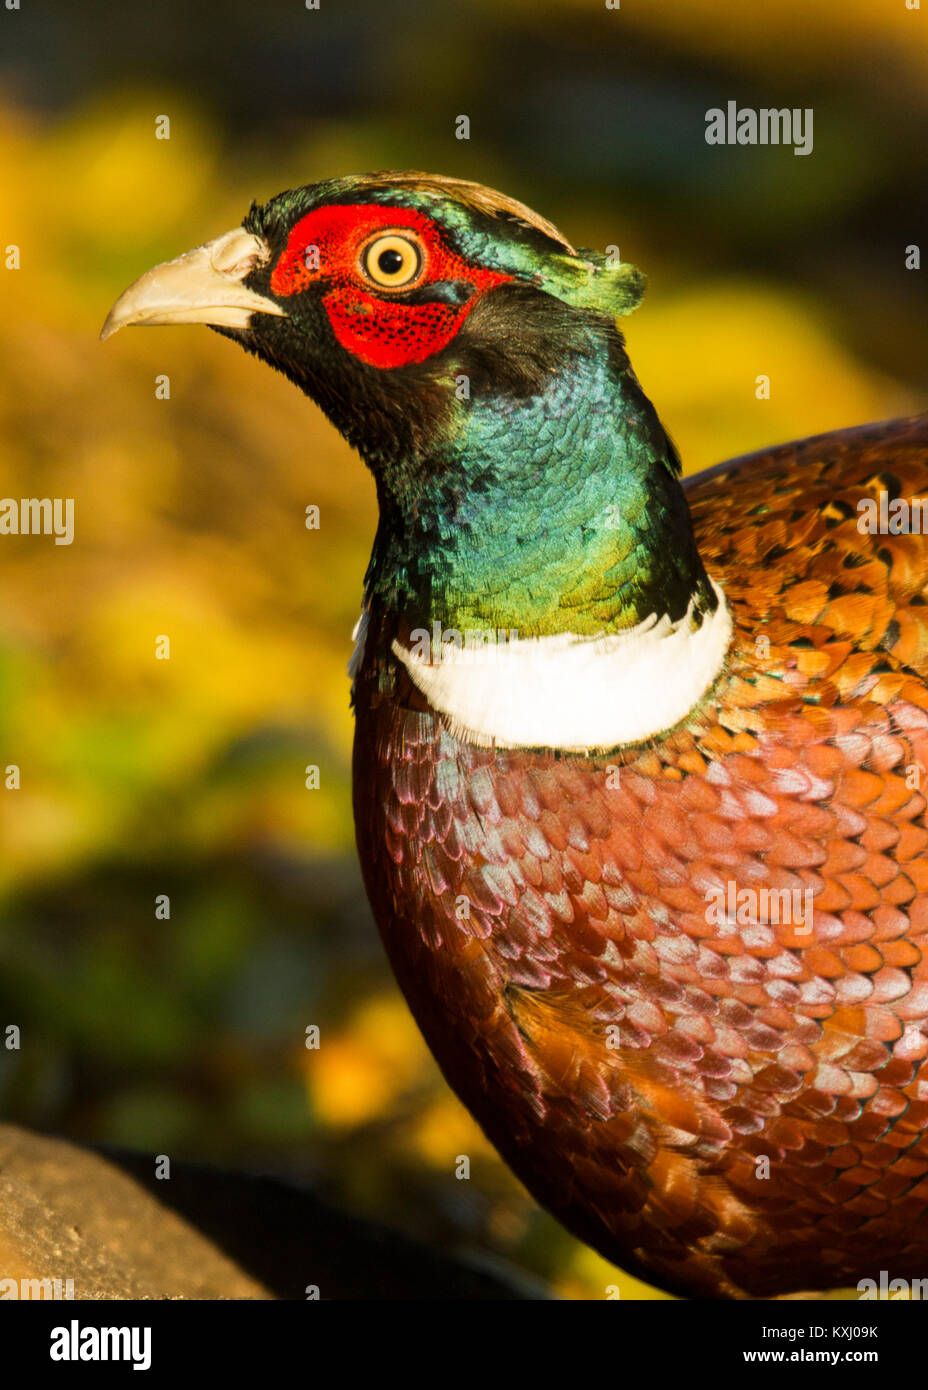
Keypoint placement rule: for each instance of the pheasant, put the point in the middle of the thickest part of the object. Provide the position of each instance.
(637, 761)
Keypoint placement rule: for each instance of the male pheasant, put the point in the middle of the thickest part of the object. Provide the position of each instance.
(638, 764)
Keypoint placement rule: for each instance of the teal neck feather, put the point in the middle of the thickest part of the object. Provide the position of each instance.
(559, 511)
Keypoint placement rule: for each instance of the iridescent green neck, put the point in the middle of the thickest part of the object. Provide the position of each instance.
(559, 511)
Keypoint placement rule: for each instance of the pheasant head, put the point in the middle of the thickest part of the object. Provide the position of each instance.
(472, 356)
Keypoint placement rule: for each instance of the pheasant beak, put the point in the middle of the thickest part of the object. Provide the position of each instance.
(202, 286)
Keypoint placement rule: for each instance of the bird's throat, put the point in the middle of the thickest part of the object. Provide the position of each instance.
(558, 511)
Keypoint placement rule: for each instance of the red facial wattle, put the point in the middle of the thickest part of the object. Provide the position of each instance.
(372, 323)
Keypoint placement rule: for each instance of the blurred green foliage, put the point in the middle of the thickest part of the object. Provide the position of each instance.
(142, 777)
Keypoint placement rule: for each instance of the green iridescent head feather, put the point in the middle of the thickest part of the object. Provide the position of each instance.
(489, 228)
(546, 499)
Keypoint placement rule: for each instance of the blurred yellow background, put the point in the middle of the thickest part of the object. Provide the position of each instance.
(185, 777)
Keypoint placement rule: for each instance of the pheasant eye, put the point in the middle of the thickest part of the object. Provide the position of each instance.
(392, 261)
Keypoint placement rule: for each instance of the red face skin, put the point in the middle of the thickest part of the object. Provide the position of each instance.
(368, 319)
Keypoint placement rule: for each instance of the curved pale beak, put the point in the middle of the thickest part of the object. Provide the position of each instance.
(202, 286)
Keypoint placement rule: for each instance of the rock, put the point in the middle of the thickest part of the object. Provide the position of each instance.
(103, 1220)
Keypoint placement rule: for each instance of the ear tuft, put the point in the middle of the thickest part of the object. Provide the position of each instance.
(591, 280)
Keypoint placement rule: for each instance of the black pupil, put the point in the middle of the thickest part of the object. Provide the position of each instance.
(390, 262)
